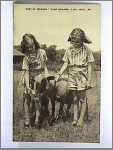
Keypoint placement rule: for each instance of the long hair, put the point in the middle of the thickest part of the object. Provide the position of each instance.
(24, 44)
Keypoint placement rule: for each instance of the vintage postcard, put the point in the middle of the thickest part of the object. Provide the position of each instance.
(56, 73)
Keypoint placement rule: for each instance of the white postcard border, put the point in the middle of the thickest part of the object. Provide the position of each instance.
(7, 83)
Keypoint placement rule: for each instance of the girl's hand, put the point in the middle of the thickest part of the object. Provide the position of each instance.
(57, 77)
(88, 84)
(31, 91)
(61, 71)
(21, 82)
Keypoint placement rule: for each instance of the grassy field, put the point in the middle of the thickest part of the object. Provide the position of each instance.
(61, 131)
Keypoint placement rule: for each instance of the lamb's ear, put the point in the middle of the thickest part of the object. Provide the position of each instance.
(51, 81)
(51, 78)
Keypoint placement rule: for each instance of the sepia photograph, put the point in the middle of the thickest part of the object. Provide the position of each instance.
(56, 73)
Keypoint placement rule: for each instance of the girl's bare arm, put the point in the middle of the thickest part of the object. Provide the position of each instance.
(89, 72)
(61, 71)
(45, 69)
(63, 68)
(22, 77)
(25, 78)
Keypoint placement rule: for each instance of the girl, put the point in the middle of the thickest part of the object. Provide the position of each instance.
(78, 60)
(34, 65)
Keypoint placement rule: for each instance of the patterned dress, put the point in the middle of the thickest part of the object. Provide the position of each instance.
(34, 65)
(78, 60)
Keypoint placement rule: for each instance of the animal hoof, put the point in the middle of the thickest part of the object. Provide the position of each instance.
(74, 123)
(37, 125)
(57, 117)
(52, 119)
(79, 124)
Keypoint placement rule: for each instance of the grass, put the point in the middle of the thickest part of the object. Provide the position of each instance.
(61, 131)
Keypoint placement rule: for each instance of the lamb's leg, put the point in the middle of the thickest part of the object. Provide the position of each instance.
(60, 112)
(67, 110)
(61, 107)
(52, 113)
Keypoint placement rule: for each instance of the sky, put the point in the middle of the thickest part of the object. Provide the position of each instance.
(54, 26)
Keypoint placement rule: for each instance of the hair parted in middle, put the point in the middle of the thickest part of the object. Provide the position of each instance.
(24, 44)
